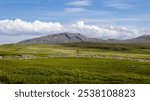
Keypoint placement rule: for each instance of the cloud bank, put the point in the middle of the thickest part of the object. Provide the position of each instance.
(19, 27)
(109, 32)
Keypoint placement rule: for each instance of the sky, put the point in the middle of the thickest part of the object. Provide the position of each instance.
(106, 19)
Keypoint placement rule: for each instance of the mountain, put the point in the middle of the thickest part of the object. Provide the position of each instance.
(144, 39)
(60, 38)
(140, 39)
(113, 41)
(77, 37)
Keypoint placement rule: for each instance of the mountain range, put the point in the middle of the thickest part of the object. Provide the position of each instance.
(77, 37)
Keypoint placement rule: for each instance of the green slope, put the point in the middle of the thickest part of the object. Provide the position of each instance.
(74, 69)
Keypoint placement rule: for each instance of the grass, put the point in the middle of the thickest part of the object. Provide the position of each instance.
(75, 70)
(43, 50)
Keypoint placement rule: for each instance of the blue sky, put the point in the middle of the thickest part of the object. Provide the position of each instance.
(68, 11)
(92, 12)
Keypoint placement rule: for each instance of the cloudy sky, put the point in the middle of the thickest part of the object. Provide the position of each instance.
(120, 19)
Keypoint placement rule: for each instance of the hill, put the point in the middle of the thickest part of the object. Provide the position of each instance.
(79, 63)
(77, 37)
(60, 38)
(140, 39)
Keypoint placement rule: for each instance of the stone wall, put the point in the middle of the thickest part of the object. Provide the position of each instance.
(24, 56)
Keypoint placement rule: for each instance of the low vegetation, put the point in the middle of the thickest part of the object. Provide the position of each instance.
(73, 70)
(75, 63)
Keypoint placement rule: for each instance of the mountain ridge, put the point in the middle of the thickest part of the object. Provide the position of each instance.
(68, 37)
(140, 39)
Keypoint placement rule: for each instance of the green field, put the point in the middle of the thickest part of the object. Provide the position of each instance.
(75, 63)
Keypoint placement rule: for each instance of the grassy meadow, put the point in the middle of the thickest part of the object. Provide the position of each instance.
(62, 64)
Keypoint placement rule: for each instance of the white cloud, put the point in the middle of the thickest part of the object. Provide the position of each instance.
(15, 27)
(77, 6)
(22, 28)
(109, 32)
(119, 4)
(75, 10)
(79, 3)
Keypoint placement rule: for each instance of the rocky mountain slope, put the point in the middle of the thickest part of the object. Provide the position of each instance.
(60, 38)
(140, 39)
(77, 37)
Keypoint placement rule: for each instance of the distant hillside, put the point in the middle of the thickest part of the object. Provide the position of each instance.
(77, 37)
(60, 38)
(140, 39)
